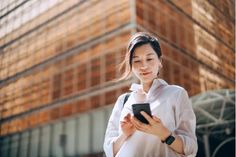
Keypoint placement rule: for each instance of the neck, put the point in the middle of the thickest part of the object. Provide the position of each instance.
(146, 86)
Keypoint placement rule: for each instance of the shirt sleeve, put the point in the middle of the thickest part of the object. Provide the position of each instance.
(186, 124)
(112, 131)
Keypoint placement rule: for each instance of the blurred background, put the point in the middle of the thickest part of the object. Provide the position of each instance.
(58, 59)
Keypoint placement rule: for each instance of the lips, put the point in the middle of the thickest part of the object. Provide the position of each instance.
(145, 73)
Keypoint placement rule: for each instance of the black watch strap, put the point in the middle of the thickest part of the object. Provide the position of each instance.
(169, 140)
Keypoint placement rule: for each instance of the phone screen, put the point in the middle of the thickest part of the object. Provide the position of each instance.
(137, 108)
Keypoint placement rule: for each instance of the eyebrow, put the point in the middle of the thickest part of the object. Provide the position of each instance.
(149, 54)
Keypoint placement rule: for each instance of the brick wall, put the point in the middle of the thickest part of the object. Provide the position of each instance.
(197, 39)
(67, 65)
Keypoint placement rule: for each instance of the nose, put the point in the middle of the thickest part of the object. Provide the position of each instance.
(143, 65)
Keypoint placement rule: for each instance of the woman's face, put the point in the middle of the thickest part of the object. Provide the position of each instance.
(145, 63)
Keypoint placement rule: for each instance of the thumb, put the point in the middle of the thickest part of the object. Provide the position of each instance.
(156, 119)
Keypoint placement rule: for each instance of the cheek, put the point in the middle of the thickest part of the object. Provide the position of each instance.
(135, 67)
(155, 67)
(135, 70)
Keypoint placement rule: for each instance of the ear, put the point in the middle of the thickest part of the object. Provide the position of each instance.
(160, 59)
(161, 62)
(161, 65)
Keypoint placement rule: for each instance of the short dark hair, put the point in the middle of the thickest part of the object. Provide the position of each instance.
(137, 40)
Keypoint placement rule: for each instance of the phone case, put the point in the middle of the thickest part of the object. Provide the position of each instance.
(137, 108)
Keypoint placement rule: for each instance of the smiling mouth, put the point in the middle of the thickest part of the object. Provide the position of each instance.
(145, 73)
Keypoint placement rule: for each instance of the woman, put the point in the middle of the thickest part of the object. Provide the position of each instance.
(171, 128)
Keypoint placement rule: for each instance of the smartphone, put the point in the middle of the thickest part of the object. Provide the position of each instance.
(137, 108)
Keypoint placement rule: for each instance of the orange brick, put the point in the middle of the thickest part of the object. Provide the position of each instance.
(81, 77)
(44, 117)
(65, 110)
(110, 97)
(95, 71)
(54, 113)
(57, 81)
(95, 101)
(110, 69)
(82, 105)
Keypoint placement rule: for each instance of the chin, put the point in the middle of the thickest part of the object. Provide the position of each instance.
(147, 79)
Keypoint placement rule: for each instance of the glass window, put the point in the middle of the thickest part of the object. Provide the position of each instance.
(45, 140)
(24, 144)
(84, 134)
(34, 142)
(57, 131)
(14, 145)
(4, 146)
(108, 113)
(98, 130)
(70, 134)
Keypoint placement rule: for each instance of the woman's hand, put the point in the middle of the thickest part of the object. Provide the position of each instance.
(127, 126)
(154, 127)
(128, 129)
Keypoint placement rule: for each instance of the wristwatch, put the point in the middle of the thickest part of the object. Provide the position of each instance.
(169, 140)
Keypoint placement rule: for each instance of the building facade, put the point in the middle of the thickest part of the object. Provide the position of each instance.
(58, 62)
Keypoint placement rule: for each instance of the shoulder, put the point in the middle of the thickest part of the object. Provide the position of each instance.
(122, 97)
(176, 92)
(175, 88)
(172, 88)
(120, 100)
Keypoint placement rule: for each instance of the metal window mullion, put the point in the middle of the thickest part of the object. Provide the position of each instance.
(76, 136)
(39, 141)
(51, 139)
(19, 146)
(91, 131)
(63, 133)
(29, 143)
(9, 145)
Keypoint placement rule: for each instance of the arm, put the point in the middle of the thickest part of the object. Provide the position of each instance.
(156, 128)
(127, 130)
(185, 140)
(186, 124)
(112, 133)
(118, 143)
(113, 141)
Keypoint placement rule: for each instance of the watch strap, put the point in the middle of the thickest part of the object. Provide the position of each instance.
(169, 140)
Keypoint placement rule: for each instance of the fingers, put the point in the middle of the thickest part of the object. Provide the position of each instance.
(129, 121)
(152, 121)
(156, 119)
(127, 117)
(126, 126)
(139, 125)
(126, 122)
(123, 122)
(147, 117)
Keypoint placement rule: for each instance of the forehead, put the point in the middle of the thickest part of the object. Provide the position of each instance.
(145, 49)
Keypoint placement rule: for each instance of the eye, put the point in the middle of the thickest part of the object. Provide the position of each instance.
(136, 61)
(149, 59)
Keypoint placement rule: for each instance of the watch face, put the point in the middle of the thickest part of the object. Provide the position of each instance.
(170, 140)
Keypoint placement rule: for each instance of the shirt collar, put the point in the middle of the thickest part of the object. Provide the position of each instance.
(155, 88)
(155, 84)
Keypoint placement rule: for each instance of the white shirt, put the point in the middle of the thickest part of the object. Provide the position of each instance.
(171, 104)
